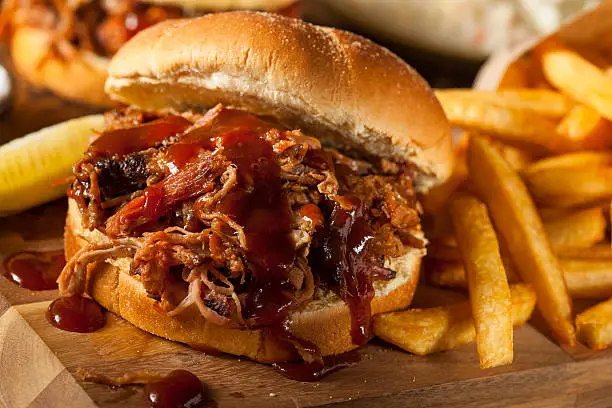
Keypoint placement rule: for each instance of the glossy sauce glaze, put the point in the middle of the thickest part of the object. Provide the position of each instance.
(259, 204)
(178, 389)
(34, 270)
(339, 255)
(76, 314)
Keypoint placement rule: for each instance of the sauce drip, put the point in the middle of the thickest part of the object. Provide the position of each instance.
(178, 389)
(259, 204)
(76, 314)
(137, 138)
(340, 257)
(35, 270)
(310, 372)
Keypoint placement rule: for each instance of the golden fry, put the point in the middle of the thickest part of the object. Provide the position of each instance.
(518, 222)
(588, 279)
(565, 231)
(569, 187)
(572, 161)
(516, 157)
(600, 251)
(425, 331)
(580, 229)
(585, 279)
(445, 274)
(594, 326)
(516, 76)
(584, 128)
(488, 286)
(508, 125)
(541, 102)
(585, 82)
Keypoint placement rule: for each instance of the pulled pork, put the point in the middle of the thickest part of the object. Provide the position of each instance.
(239, 217)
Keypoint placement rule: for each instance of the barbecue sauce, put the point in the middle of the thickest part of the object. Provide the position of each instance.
(259, 204)
(315, 371)
(178, 389)
(76, 314)
(339, 255)
(137, 138)
(35, 270)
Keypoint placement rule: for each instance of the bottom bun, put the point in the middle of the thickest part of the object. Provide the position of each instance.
(79, 77)
(325, 321)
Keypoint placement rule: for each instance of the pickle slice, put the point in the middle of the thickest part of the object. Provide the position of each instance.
(31, 166)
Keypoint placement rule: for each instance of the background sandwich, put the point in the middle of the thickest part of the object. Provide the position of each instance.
(65, 45)
(259, 194)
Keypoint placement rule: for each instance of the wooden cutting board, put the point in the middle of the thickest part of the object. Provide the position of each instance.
(38, 362)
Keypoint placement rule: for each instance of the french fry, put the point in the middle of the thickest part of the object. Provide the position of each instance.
(584, 128)
(596, 252)
(542, 102)
(488, 286)
(594, 326)
(445, 274)
(585, 279)
(508, 125)
(517, 221)
(574, 75)
(516, 157)
(516, 75)
(580, 229)
(588, 279)
(565, 231)
(569, 187)
(425, 331)
(573, 161)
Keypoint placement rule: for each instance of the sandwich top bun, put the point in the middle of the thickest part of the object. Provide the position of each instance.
(325, 321)
(337, 86)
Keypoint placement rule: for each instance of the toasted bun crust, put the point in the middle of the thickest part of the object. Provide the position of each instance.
(80, 78)
(325, 322)
(332, 84)
(224, 5)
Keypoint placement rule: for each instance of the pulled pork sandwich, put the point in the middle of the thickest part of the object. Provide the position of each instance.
(65, 45)
(258, 195)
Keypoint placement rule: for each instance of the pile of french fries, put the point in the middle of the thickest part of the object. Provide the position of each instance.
(525, 217)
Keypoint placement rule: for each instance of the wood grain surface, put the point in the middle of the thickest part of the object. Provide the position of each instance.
(38, 362)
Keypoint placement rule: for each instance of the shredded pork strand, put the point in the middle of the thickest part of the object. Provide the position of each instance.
(75, 276)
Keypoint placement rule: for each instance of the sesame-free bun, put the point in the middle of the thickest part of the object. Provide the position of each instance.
(337, 86)
(80, 77)
(325, 321)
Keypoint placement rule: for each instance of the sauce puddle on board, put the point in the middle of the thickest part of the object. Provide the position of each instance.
(34, 270)
(76, 314)
(310, 372)
(178, 389)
